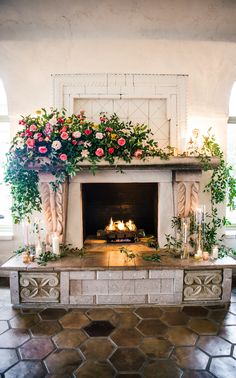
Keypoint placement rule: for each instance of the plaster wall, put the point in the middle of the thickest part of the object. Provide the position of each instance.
(32, 48)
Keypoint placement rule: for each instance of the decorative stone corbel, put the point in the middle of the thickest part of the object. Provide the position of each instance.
(186, 186)
(54, 205)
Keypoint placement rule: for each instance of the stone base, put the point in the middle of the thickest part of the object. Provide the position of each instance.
(62, 283)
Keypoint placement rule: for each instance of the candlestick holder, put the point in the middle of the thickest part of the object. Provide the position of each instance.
(185, 229)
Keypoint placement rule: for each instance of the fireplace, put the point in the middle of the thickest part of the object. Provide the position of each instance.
(121, 201)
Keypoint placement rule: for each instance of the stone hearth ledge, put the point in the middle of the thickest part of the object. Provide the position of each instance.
(105, 278)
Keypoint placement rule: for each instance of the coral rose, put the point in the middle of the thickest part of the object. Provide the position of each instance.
(111, 150)
(138, 154)
(43, 149)
(87, 132)
(33, 128)
(30, 143)
(121, 141)
(99, 152)
(64, 135)
(63, 157)
(109, 129)
(63, 129)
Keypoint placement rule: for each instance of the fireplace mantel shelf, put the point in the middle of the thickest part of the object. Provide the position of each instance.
(173, 163)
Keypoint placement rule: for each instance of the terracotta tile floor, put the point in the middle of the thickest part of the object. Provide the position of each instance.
(167, 342)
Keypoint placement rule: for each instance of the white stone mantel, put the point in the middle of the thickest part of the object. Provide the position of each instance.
(178, 180)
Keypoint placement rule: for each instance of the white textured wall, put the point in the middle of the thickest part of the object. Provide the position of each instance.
(42, 38)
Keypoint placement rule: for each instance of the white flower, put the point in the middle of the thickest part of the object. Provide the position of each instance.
(53, 120)
(20, 144)
(87, 144)
(84, 153)
(76, 134)
(99, 135)
(56, 144)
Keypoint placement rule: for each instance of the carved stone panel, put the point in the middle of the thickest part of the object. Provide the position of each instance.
(187, 187)
(39, 287)
(202, 285)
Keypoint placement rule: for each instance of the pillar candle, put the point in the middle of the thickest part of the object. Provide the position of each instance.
(55, 245)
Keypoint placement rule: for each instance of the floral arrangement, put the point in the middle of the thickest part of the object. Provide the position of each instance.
(65, 142)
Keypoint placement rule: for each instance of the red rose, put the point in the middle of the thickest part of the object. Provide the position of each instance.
(29, 133)
(87, 132)
(60, 120)
(43, 149)
(121, 141)
(109, 129)
(63, 157)
(30, 143)
(111, 150)
(74, 142)
(64, 135)
(21, 122)
(99, 152)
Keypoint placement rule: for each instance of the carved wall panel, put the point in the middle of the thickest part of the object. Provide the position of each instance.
(54, 204)
(202, 285)
(39, 287)
(187, 187)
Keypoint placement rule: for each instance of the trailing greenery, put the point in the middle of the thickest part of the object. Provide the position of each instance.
(154, 257)
(56, 143)
(128, 253)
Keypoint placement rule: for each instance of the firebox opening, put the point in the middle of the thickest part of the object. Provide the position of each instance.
(121, 202)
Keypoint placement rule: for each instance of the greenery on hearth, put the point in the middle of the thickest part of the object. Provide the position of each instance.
(129, 255)
(64, 142)
(154, 257)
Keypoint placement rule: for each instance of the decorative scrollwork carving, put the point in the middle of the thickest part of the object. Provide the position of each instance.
(194, 195)
(181, 198)
(202, 285)
(39, 287)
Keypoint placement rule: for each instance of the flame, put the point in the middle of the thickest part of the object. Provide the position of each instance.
(111, 225)
(121, 225)
(131, 226)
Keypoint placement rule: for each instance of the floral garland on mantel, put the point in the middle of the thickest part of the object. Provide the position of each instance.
(66, 141)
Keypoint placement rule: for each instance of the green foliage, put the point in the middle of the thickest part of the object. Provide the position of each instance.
(45, 257)
(68, 250)
(128, 254)
(154, 257)
(172, 242)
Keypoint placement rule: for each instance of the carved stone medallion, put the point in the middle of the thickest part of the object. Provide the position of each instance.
(202, 285)
(39, 287)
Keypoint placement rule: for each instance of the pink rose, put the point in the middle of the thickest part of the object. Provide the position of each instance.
(81, 142)
(87, 132)
(63, 129)
(76, 134)
(40, 139)
(99, 152)
(64, 135)
(74, 142)
(63, 157)
(33, 128)
(29, 133)
(108, 129)
(43, 149)
(30, 143)
(22, 134)
(138, 154)
(37, 135)
(121, 141)
(111, 150)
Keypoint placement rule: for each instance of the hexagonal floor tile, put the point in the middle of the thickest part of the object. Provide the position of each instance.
(52, 313)
(97, 349)
(175, 318)
(149, 312)
(124, 375)
(223, 367)
(74, 319)
(229, 319)
(103, 314)
(24, 321)
(36, 349)
(64, 361)
(46, 328)
(8, 357)
(127, 359)
(98, 328)
(232, 308)
(217, 315)
(69, 338)
(13, 338)
(8, 312)
(181, 335)
(203, 326)
(3, 326)
(23, 368)
(127, 320)
(126, 337)
(214, 345)
(162, 369)
(195, 311)
(228, 333)
(190, 358)
(95, 369)
(196, 374)
(156, 348)
(152, 327)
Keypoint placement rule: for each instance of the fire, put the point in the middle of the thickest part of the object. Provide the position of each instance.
(121, 226)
